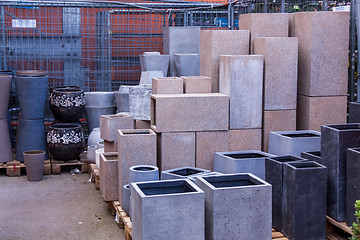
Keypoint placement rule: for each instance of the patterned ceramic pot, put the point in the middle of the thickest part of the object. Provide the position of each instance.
(65, 141)
(67, 104)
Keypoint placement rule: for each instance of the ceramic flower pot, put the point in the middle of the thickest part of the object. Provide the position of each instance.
(5, 144)
(65, 141)
(94, 137)
(5, 86)
(34, 163)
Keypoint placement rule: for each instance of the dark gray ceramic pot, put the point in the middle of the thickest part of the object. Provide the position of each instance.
(5, 86)
(34, 163)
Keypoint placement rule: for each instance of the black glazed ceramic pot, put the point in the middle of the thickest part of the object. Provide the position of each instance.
(65, 141)
(67, 104)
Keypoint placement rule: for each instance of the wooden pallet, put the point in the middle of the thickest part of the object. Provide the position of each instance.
(95, 175)
(337, 230)
(278, 235)
(15, 168)
(57, 166)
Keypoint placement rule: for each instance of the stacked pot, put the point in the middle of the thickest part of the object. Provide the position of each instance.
(65, 138)
(5, 143)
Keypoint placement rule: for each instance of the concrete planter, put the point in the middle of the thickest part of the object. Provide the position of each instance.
(98, 151)
(109, 176)
(94, 136)
(187, 64)
(175, 205)
(304, 206)
(274, 176)
(294, 142)
(93, 115)
(34, 162)
(90, 153)
(109, 124)
(167, 85)
(335, 140)
(241, 162)
(354, 112)
(5, 143)
(143, 173)
(122, 99)
(5, 86)
(312, 156)
(352, 183)
(99, 99)
(154, 61)
(126, 199)
(197, 84)
(237, 206)
(183, 173)
(139, 101)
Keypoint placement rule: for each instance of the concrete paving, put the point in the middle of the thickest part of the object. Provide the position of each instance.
(58, 207)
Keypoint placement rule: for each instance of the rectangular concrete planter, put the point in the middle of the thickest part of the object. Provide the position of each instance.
(294, 142)
(237, 206)
(352, 183)
(304, 204)
(135, 147)
(178, 206)
(142, 124)
(187, 64)
(241, 162)
(189, 112)
(312, 111)
(354, 112)
(312, 156)
(241, 78)
(109, 124)
(139, 101)
(335, 140)
(197, 84)
(183, 173)
(167, 85)
(220, 42)
(110, 146)
(274, 176)
(109, 184)
(279, 89)
(245, 139)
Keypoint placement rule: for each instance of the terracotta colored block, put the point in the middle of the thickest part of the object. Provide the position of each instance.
(291, 24)
(280, 74)
(109, 185)
(207, 143)
(142, 124)
(176, 149)
(241, 78)
(313, 112)
(110, 146)
(109, 124)
(135, 147)
(197, 84)
(167, 85)
(245, 139)
(274, 121)
(264, 25)
(323, 53)
(220, 42)
(189, 112)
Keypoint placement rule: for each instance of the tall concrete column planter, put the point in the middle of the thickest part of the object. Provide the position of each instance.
(249, 218)
(109, 176)
(304, 206)
(139, 101)
(274, 176)
(335, 139)
(5, 87)
(352, 183)
(5, 143)
(175, 205)
(241, 162)
(294, 142)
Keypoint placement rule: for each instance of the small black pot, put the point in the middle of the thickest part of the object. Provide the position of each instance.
(65, 141)
(67, 104)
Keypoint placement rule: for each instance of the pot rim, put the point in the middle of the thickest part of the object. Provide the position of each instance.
(67, 90)
(64, 126)
(31, 73)
(34, 152)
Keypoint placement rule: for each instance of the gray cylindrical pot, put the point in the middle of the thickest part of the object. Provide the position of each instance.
(90, 154)
(126, 199)
(30, 136)
(100, 144)
(93, 115)
(99, 99)
(5, 144)
(34, 163)
(31, 87)
(143, 173)
(5, 86)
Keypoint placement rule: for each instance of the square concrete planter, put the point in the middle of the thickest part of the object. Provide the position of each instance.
(294, 142)
(109, 124)
(274, 176)
(154, 61)
(110, 146)
(335, 140)
(177, 206)
(237, 206)
(167, 85)
(139, 101)
(304, 203)
(135, 147)
(352, 183)
(109, 176)
(197, 84)
(354, 112)
(241, 162)
(312, 156)
(187, 64)
(183, 173)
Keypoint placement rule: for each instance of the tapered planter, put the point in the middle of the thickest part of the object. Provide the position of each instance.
(312, 156)
(183, 173)
(274, 176)
(352, 183)
(175, 205)
(143, 173)
(65, 141)
(122, 99)
(304, 206)
(34, 163)
(5, 86)
(109, 176)
(335, 140)
(5, 143)
(237, 206)
(31, 87)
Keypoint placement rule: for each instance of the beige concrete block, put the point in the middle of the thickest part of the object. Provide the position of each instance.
(109, 185)
(245, 139)
(197, 84)
(312, 112)
(110, 146)
(109, 124)
(142, 124)
(214, 43)
(189, 112)
(273, 121)
(207, 143)
(176, 149)
(167, 85)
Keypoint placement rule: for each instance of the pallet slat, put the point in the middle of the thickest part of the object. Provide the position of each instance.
(340, 225)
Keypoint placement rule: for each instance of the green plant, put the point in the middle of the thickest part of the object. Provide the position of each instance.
(356, 225)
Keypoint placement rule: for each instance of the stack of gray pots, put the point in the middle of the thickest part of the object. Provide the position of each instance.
(98, 103)
(31, 87)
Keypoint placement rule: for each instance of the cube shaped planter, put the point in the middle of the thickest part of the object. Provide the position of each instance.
(294, 142)
(237, 206)
(304, 203)
(354, 112)
(312, 156)
(335, 140)
(167, 85)
(352, 183)
(197, 84)
(274, 176)
(175, 205)
(109, 124)
(241, 162)
(183, 173)
(109, 176)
